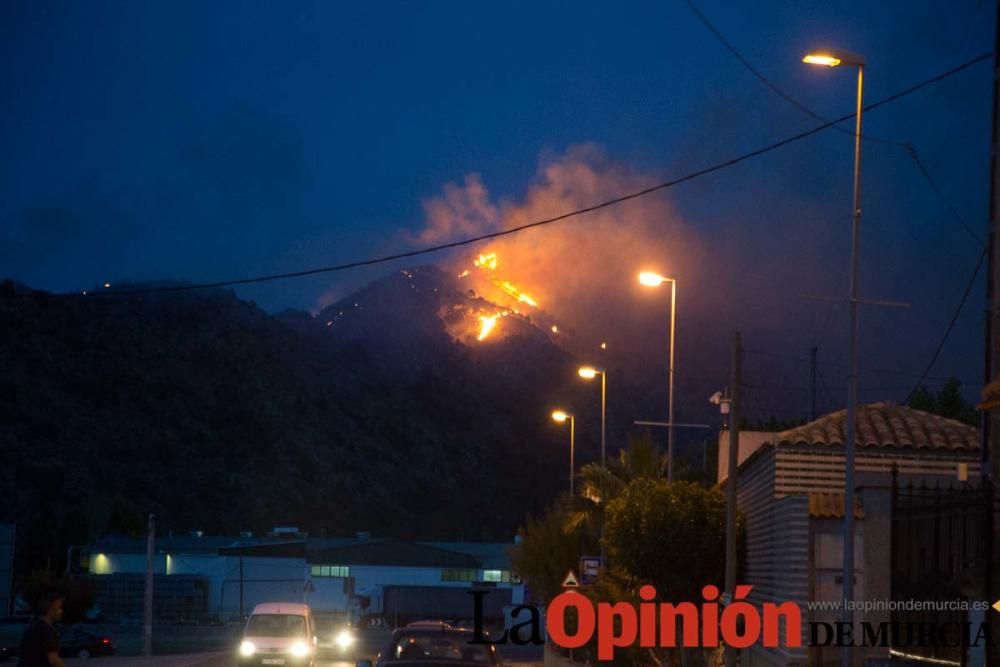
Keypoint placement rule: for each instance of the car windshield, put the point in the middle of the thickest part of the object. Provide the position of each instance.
(326, 623)
(276, 625)
(440, 648)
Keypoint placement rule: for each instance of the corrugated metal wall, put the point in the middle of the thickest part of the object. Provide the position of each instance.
(777, 556)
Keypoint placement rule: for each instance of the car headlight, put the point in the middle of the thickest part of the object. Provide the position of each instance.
(299, 649)
(247, 648)
(344, 639)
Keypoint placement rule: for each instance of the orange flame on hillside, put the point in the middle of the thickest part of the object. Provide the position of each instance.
(487, 323)
(487, 261)
(490, 262)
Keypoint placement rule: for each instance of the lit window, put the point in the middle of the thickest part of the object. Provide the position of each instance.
(330, 571)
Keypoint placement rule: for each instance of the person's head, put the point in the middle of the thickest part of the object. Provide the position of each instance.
(50, 606)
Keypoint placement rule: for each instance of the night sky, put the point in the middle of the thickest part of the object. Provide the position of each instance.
(205, 141)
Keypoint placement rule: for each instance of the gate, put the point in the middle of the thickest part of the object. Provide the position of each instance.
(942, 550)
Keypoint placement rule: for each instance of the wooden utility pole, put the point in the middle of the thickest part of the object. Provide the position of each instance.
(147, 606)
(735, 378)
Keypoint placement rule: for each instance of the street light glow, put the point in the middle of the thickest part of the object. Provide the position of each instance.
(560, 416)
(650, 279)
(821, 59)
(588, 372)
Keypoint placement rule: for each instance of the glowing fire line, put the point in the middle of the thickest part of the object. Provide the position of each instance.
(490, 262)
(487, 322)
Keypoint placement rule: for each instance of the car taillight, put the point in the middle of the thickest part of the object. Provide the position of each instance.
(105, 641)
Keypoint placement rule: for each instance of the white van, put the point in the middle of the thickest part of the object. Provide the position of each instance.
(279, 634)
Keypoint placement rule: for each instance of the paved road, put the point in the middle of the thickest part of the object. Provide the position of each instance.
(520, 656)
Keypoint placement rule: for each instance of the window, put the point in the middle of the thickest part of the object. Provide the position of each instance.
(276, 625)
(498, 576)
(330, 571)
(465, 574)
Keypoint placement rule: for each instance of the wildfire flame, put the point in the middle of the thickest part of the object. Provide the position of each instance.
(510, 289)
(487, 322)
(487, 265)
(490, 262)
(487, 261)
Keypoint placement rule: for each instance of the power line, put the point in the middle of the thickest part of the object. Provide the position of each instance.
(907, 147)
(951, 325)
(865, 369)
(910, 151)
(770, 84)
(547, 221)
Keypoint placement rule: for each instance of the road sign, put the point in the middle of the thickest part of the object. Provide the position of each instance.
(590, 567)
(570, 581)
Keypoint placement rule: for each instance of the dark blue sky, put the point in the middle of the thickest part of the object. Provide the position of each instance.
(211, 140)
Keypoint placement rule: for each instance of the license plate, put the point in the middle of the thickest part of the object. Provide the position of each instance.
(273, 661)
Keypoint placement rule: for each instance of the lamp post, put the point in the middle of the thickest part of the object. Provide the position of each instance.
(589, 373)
(561, 416)
(650, 279)
(835, 59)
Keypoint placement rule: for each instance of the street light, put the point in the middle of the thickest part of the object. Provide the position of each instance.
(832, 58)
(561, 416)
(650, 279)
(589, 373)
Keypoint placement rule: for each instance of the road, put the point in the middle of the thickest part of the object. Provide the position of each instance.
(519, 656)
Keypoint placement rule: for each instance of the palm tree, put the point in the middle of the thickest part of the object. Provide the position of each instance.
(597, 485)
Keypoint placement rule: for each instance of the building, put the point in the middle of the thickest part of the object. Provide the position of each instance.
(791, 496)
(199, 576)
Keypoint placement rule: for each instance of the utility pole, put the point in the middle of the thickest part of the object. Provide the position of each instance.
(735, 378)
(147, 606)
(847, 657)
(241, 587)
(990, 433)
(813, 354)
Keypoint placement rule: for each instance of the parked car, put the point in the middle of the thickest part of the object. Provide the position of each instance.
(434, 647)
(430, 623)
(77, 643)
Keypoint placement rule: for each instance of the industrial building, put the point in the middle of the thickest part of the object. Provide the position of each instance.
(198, 576)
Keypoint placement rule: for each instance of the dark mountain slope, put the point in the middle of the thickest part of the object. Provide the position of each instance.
(217, 416)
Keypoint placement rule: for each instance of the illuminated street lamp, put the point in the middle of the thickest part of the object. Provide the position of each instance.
(561, 417)
(650, 279)
(832, 58)
(589, 373)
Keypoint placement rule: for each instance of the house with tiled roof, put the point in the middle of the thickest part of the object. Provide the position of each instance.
(791, 495)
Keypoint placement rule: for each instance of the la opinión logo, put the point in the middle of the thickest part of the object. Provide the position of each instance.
(739, 624)
(620, 624)
(654, 625)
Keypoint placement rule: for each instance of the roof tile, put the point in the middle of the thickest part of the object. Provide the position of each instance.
(887, 424)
